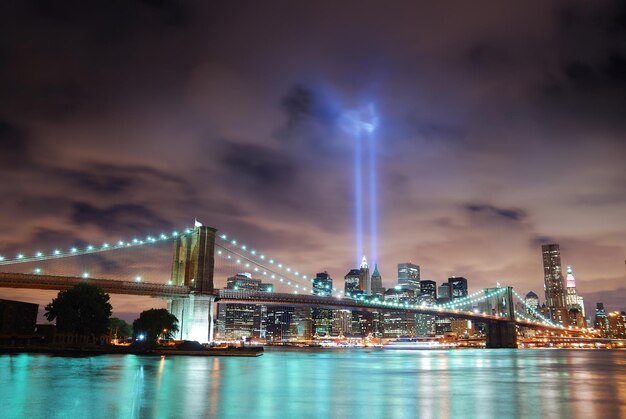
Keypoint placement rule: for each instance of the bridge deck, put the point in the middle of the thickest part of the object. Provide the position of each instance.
(53, 282)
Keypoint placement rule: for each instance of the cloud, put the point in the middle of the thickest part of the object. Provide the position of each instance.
(122, 217)
(487, 210)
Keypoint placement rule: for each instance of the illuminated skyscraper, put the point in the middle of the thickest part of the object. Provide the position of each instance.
(322, 285)
(409, 274)
(553, 283)
(365, 282)
(571, 299)
(458, 287)
(428, 291)
(351, 282)
(532, 301)
(377, 282)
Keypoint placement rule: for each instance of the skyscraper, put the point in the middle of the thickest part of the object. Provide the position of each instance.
(322, 285)
(365, 282)
(409, 274)
(458, 287)
(428, 291)
(532, 301)
(571, 299)
(377, 282)
(351, 282)
(443, 293)
(553, 283)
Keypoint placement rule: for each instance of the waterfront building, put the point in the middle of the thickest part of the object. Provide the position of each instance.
(323, 320)
(576, 318)
(301, 325)
(601, 322)
(553, 283)
(377, 282)
(17, 317)
(342, 322)
(351, 282)
(616, 325)
(322, 285)
(425, 325)
(458, 287)
(462, 328)
(409, 274)
(581, 304)
(279, 323)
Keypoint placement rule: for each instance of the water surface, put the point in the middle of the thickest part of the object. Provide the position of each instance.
(319, 384)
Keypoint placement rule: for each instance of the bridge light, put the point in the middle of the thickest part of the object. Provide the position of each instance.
(243, 247)
(304, 276)
(247, 265)
(57, 252)
(264, 273)
(288, 269)
(90, 247)
(1, 258)
(175, 233)
(20, 256)
(135, 241)
(234, 242)
(138, 278)
(187, 230)
(280, 265)
(238, 260)
(223, 237)
(105, 246)
(272, 261)
(163, 236)
(262, 257)
(253, 252)
(228, 256)
(73, 250)
(39, 254)
(120, 243)
(169, 282)
(37, 270)
(219, 252)
(85, 274)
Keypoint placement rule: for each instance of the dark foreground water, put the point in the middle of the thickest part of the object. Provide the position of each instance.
(319, 384)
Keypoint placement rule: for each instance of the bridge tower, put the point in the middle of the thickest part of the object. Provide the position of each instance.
(193, 266)
(503, 333)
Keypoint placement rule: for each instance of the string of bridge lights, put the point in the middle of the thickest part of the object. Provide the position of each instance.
(246, 259)
(535, 312)
(472, 298)
(89, 249)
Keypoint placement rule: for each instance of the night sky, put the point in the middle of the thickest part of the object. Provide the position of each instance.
(502, 127)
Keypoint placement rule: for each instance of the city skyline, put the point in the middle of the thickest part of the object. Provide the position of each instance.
(489, 145)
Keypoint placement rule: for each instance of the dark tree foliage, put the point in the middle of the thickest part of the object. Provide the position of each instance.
(83, 309)
(119, 328)
(155, 323)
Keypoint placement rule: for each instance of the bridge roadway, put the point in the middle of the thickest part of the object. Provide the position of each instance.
(350, 304)
(54, 282)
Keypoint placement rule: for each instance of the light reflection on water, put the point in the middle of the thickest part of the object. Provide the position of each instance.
(319, 384)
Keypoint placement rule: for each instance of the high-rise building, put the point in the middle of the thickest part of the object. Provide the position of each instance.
(322, 321)
(244, 281)
(428, 291)
(458, 287)
(571, 299)
(342, 322)
(581, 303)
(351, 284)
(409, 274)
(444, 293)
(322, 285)
(553, 283)
(601, 322)
(365, 282)
(377, 282)
(532, 301)
(279, 320)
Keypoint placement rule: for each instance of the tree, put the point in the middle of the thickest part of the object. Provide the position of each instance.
(153, 324)
(83, 309)
(119, 328)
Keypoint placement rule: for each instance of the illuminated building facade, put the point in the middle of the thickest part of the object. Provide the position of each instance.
(458, 287)
(322, 285)
(532, 301)
(351, 283)
(409, 274)
(365, 282)
(571, 298)
(377, 282)
(553, 283)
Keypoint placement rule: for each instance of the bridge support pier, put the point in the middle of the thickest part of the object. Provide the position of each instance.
(501, 334)
(195, 317)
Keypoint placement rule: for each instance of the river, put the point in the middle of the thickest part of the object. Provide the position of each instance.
(524, 383)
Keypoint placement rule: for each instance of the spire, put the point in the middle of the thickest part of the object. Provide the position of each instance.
(376, 273)
(364, 263)
(571, 281)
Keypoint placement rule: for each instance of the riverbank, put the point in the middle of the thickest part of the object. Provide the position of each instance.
(128, 350)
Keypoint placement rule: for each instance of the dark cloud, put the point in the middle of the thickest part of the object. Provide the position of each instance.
(257, 166)
(134, 218)
(14, 145)
(508, 214)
